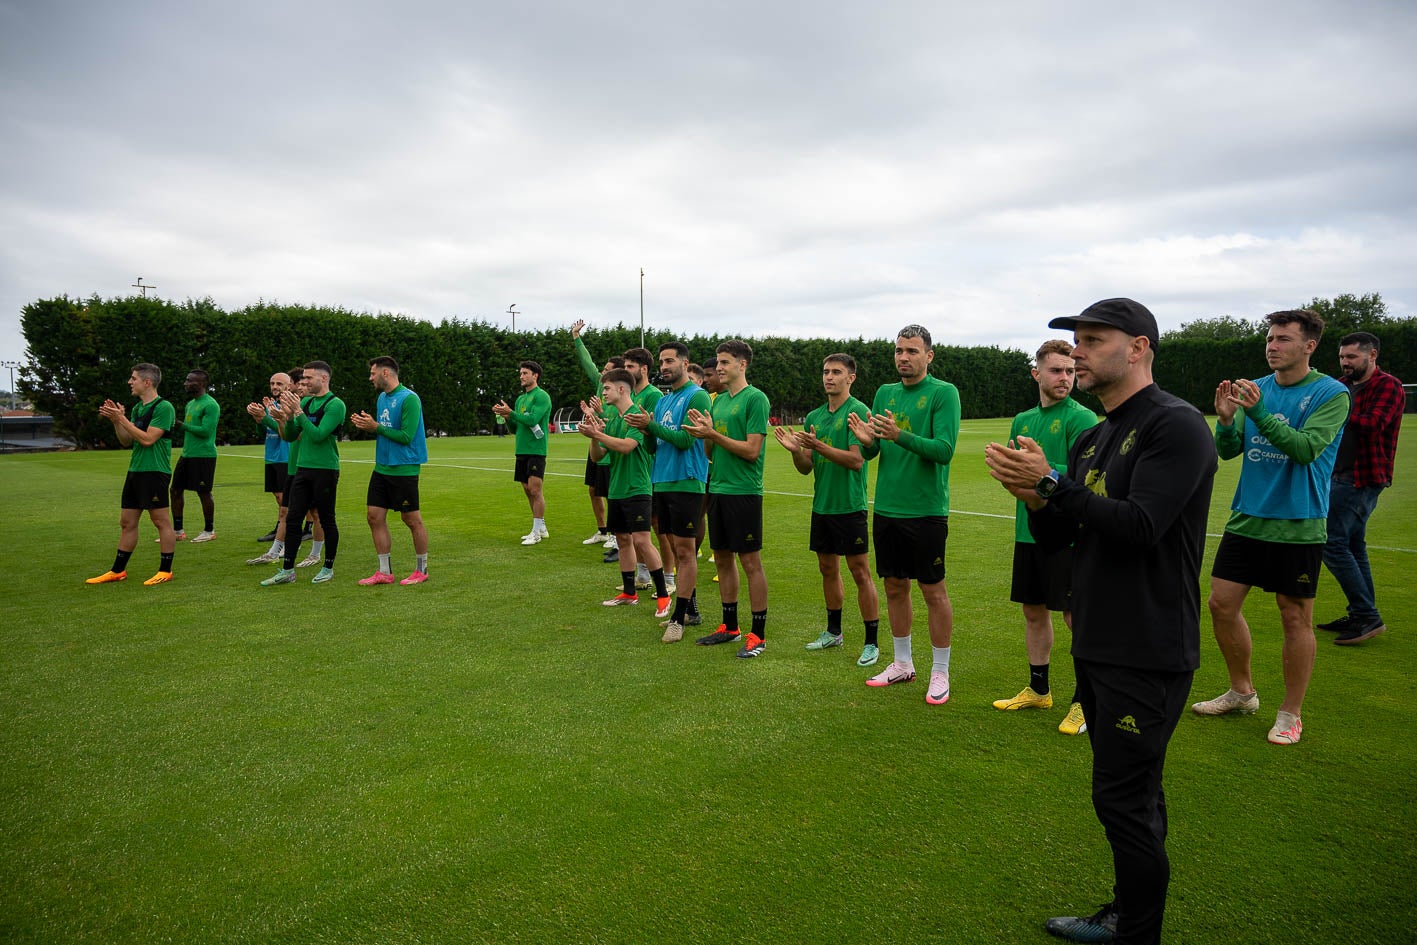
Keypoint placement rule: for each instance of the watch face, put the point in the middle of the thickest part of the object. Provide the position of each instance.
(1046, 486)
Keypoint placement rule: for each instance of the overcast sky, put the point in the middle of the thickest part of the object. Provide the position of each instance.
(836, 169)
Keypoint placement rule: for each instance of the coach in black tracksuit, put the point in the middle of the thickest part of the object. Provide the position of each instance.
(1134, 502)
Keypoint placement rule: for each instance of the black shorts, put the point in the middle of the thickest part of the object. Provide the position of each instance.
(529, 466)
(194, 474)
(911, 548)
(735, 523)
(677, 513)
(844, 534)
(1277, 567)
(145, 490)
(626, 516)
(277, 477)
(399, 493)
(1041, 577)
(597, 477)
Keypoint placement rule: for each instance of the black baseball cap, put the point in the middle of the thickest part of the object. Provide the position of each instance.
(1131, 317)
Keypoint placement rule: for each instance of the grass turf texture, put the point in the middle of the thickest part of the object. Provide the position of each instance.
(494, 757)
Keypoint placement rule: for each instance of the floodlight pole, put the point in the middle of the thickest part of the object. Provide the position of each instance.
(11, 365)
(144, 288)
(642, 306)
(512, 311)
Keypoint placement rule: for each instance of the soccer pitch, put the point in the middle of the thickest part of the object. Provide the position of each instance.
(495, 757)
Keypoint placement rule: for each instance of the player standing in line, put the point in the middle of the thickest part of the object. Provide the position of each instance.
(1043, 581)
(640, 363)
(316, 421)
(735, 429)
(148, 430)
(400, 450)
(1293, 421)
(196, 467)
(914, 427)
(826, 449)
(597, 475)
(631, 495)
(277, 450)
(680, 472)
(530, 416)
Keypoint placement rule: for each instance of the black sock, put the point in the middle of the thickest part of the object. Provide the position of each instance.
(166, 564)
(871, 627)
(660, 588)
(604, 530)
(834, 621)
(760, 624)
(730, 616)
(120, 563)
(627, 578)
(207, 525)
(681, 609)
(694, 603)
(177, 524)
(1038, 678)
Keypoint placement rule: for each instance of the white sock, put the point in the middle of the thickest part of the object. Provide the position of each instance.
(538, 524)
(941, 659)
(422, 563)
(386, 565)
(277, 547)
(902, 650)
(317, 548)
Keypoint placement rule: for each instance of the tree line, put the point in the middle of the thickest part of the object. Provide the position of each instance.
(80, 352)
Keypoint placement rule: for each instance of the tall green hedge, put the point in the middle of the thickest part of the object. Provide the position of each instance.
(81, 351)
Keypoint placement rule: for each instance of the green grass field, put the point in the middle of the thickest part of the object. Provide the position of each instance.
(494, 757)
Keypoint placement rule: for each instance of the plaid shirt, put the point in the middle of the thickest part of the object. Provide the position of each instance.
(1373, 424)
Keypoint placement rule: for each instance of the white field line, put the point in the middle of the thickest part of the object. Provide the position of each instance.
(791, 495)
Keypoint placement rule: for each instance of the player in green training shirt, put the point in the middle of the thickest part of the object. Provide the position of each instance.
(316, 421)
(196, 467)
(400, 450)
(826, 449)
(530, 416)
(914, 426)
(597, 474)
(147, 429)
(631, 495)
(1043, 581)
(733, 433)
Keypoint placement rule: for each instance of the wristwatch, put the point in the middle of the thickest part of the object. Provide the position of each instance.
(1047, 485)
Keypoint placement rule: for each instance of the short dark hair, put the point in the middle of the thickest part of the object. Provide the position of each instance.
(710, 364)
(318, 366)
(296, 374)
(1365, 340)
(150, 371)
(1311, 325)
(1053, 346)
(640, 356)
(201, 376)
(678, 347)
(531, 366)
(615, 362)
(697, 369)
(736, 349)
(618, 376)
(845, 360)
(916, 331)
(387, 361)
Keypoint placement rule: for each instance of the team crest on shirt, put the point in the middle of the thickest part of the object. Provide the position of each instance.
(1129, 442)
(920, 404)
(1056, 426)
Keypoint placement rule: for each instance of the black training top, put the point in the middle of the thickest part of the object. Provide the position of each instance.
(1135, 501)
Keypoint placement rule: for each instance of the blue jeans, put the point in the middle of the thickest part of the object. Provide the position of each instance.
(1346, 553)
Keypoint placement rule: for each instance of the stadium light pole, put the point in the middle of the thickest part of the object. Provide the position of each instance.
(642, 306)
(512, 311)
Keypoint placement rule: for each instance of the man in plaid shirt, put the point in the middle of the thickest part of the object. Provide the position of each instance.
(1362, 471)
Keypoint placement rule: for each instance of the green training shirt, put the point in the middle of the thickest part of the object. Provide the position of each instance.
(736, 416)
(913, 478)
(158, 457)
(629, 472)
(592, 371)
(837, 490)
(199, 427)
(532, 409)
(1055, 428)
(319, 440)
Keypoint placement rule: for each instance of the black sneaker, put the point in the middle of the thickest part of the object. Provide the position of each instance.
(268, 536)
(307, 535)
(1360, 630)
(1335, 626)
(1101, 926)
(611, 556)
(721, 635)
(693, 620)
